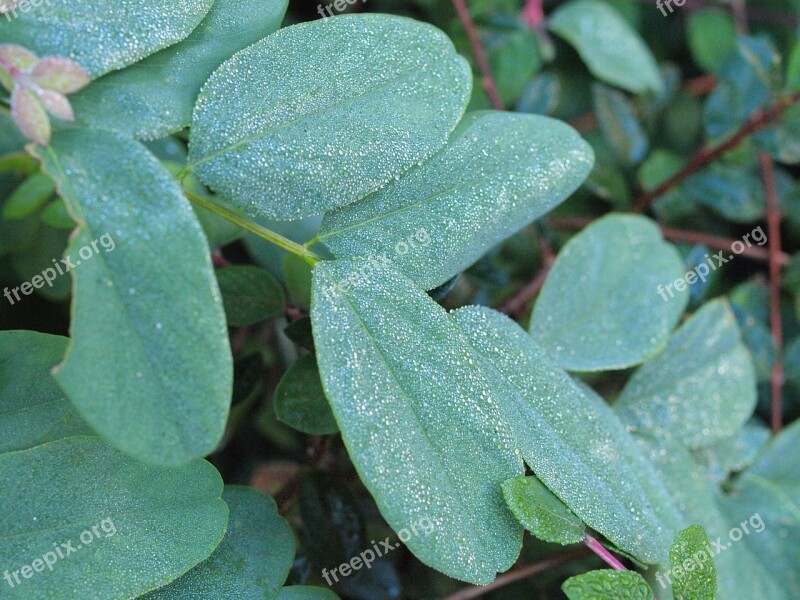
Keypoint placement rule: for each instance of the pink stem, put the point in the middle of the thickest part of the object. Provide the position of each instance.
(601, 551)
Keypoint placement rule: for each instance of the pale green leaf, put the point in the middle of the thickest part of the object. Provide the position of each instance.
(611, 49)
(156, 96)
(149, 365)
(132, 527)
(499, 172)
(600, 308)
(541, 512)
(102, 35)
(320, 114)
(701, 388)
(252, 561)
(607, 585)
(33, 409)
(300, 401)
(693, 573)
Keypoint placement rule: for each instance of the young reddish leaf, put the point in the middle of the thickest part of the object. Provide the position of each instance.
(56, 104)
(17, 56)
(30, 116)
(60, 75)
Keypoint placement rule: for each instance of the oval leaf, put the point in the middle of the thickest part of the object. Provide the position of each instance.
(607, 585)
(300, 401)
(541, 512)
(693, 572)
(250, 295)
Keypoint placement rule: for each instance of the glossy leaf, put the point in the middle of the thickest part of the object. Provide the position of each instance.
(149, 365)
(700, 388)
(607, 585)
(251, 562)
(158, 94)
(498, 172)
(391, 92)
(541, 512)
(611, 49)
(122, 32)
(300, 401)
(599, 308)
(33, 410)
(693, 572)
(167, 519)
(420, 427)
(250, 295)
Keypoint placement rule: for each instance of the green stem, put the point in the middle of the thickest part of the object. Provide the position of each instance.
(262, 232)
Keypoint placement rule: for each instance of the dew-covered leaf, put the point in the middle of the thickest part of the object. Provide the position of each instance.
(80, 491)
(281, 137)
(418, 415)
(156, 96)
(251, 562)
(102, 35)
(249, 294)
(607, 584)
(541, 512)
(693, 574)
(701, 388)
(149, 365)
(33, 409)
(498, 172)
(600, 308)
(300, 401)
(611, 49)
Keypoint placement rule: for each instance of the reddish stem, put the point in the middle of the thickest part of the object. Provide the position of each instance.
(479, 53)
(603, 553)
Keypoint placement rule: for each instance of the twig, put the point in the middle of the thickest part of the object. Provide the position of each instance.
(774, 233)
(517, 574)
(755, 123)
(479, 53)
(516, 304)
(601, 551)
(680, 235)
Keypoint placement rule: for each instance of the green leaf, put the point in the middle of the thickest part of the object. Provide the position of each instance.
(541, 512)
(729, 190)
(582, 453)
(611, 49)
(122, 32)
(304, 592)
(57, 216)
(712, 38)
(421, 427)
(251, 562)
(693, 573)
(250, 295)
(79, 488)
(390, 93)
(599, 308)
(149, 365)
(733, 454)
(498, 172)
(300, 401)
(28, 197)
(607, 585)
(155, 97)
(619, 124)
(33, 410)
(700, 388)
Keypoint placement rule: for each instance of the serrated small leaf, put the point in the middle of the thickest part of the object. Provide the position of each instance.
(300, 401)
(30, 116)
(541, 512)
(611, 49)
(693, 574)
(498, 172)
(607, 585)
(122, 32)
(249, 294)
(391, 92)
(60, 75)
(33, 409)
(167, 519)
(149, 365)
(701, 388)
(251, 562)
(159, 92)
(600, 308)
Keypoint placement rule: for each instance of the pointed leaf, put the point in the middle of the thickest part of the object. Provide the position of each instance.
(391, 92)
(30, 116)
(56, 104)
(693, 572)
(498, 172)
(300, 401)
(541, 512)
(18, 56)
(159, 93)
(103, 35)
(600, 307)
(59, 74)
(149, 365)
(28, 197)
